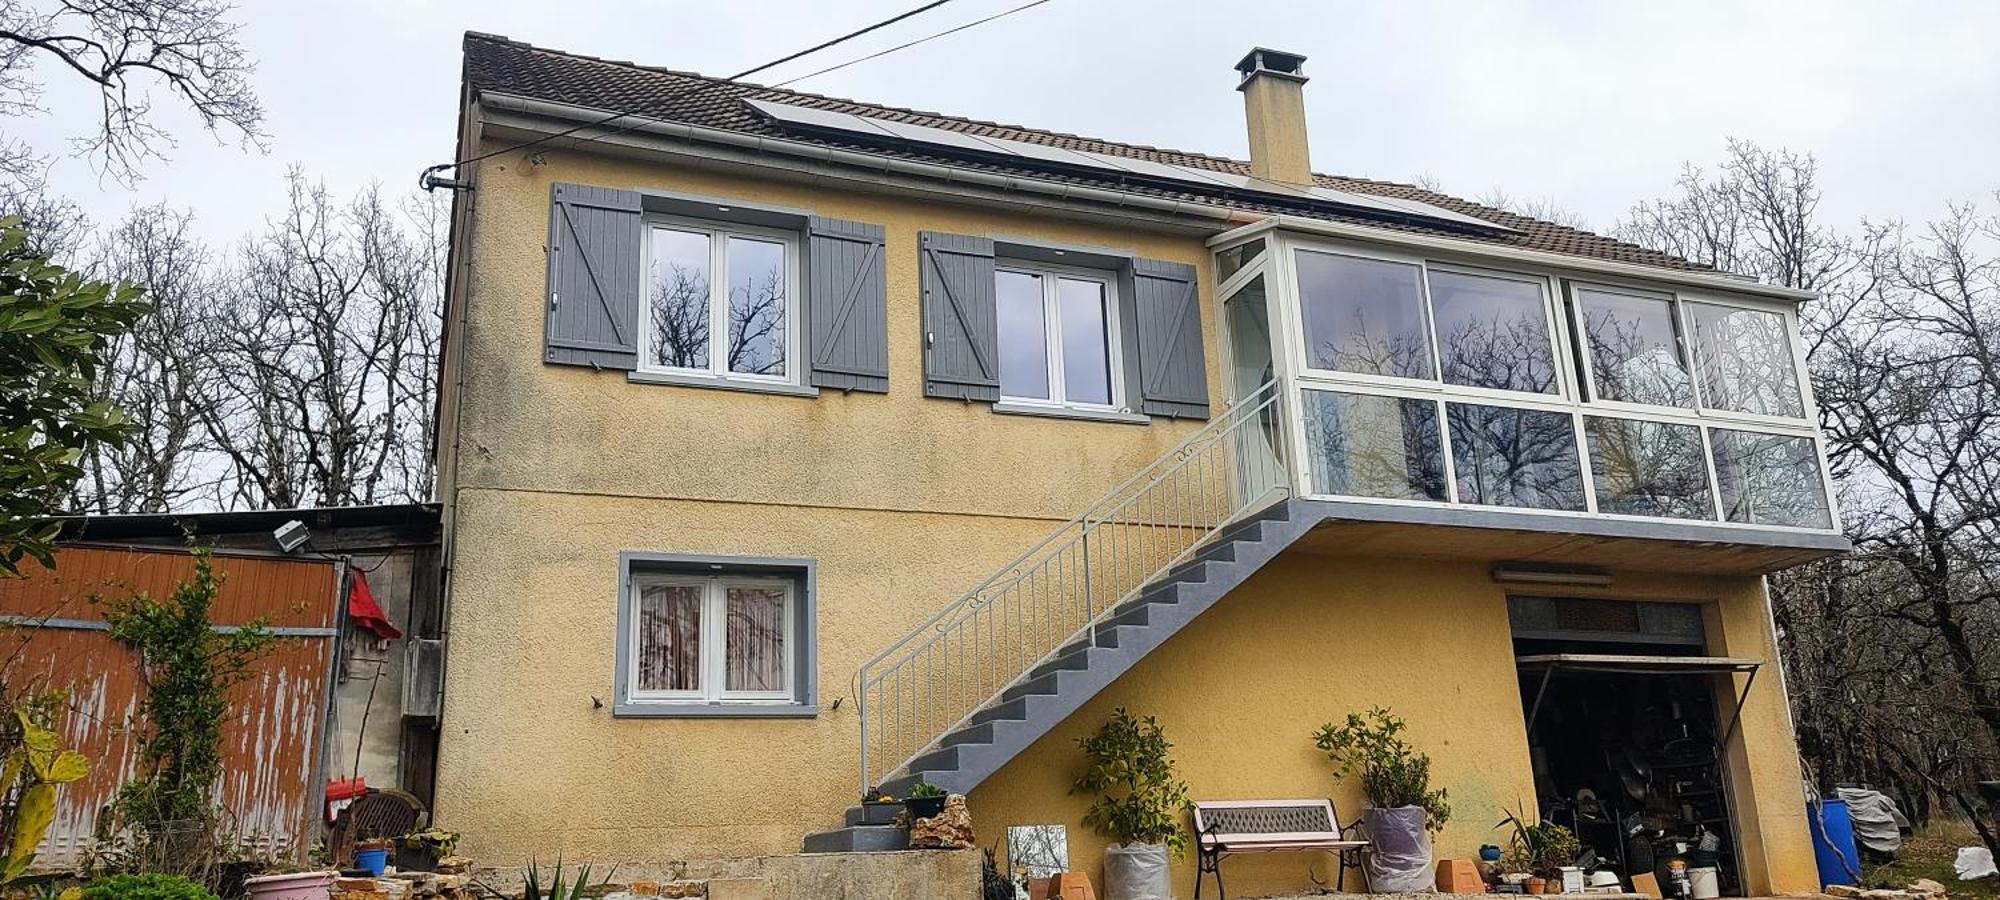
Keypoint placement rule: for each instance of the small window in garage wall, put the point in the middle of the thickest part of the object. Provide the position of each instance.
(715, 636)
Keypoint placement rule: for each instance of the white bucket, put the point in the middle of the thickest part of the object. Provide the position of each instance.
(1704, 883)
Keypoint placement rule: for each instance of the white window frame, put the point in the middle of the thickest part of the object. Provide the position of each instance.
(718, 234)
(713, 676)
(1788, 321)
(1577, 397)
(1114, 343)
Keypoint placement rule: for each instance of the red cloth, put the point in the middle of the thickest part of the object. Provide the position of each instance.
(366, 613)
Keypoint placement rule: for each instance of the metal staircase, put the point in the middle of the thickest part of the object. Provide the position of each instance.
(981, 680)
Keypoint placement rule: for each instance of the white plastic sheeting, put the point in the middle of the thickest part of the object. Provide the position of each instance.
(1877, 821)
(1974, 862)
(1399, 857)
(1136, 872)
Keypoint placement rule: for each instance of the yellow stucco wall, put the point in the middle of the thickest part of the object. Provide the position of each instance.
(1312, 637)
(904, 502)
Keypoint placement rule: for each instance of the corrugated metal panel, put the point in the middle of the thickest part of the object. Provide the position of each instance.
(270, 787)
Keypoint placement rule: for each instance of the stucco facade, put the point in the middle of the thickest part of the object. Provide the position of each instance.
(550, 472)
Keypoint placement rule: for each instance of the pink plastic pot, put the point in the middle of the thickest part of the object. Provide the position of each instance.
(297, 886)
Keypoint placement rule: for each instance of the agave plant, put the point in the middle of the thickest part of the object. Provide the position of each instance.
(556, 889)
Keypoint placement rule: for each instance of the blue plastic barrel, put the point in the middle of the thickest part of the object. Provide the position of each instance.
(1833, 842)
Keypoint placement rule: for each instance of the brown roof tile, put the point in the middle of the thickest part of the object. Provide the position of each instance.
(494, 63)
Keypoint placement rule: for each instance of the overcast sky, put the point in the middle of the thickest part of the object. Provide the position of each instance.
(1591, 104)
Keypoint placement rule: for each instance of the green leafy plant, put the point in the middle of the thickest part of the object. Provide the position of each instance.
(145, 887)
(1139, 801)
(1393, 773)
(437, 843)
(925, 789)
(189, 667)
(56, 328)
(1541, 849)
(34, 766)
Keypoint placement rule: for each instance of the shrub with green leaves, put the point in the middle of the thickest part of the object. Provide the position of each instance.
(1393, 773)
(56, 328)
(145, 887)
(1139, 801)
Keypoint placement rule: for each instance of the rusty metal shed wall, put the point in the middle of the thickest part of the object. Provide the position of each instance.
(270, 788)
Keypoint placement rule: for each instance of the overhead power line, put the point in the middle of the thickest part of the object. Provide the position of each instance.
(927, 38)
(429, 178)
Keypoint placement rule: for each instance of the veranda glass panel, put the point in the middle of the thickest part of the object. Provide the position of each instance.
(1634, 357)
(756, 306)
(669, 623)
(1086, 348)
(1493, 332)
(1363, 315)
(754, 645)
(1247, 315)
(1648, 468)
(1745, 360)
(1503, 456)
(1024, 336)
(678, 293)
(1769, 479)
(1232, 260)
(1364, 445)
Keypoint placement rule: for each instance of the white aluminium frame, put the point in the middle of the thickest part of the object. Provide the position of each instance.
(1050, 276)
(1289, 357)
(712, 677)
(718, 235)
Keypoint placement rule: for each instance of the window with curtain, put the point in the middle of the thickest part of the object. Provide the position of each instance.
(714, 639)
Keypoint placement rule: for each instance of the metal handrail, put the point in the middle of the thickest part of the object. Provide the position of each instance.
(935, 677)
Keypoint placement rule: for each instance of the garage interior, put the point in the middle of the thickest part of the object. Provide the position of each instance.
(1627, 724)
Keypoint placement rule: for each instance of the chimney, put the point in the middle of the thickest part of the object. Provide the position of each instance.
(1274, 107)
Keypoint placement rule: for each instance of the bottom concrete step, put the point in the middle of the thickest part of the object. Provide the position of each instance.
(858, 839)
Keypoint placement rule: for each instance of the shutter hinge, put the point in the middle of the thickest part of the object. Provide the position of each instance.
(930, 338)
(555, 297)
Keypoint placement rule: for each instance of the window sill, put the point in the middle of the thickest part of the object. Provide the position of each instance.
(722, 384)
(669, 710)
(1064, 412)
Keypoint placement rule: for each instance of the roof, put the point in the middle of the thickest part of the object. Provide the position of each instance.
(497, 64)
(403, 522)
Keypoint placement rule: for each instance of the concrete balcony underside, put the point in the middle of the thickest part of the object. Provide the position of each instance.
(1348, 528)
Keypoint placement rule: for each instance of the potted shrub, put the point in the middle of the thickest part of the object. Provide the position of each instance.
(1541, 850)
(926, 801)
(420, 851)
(1403, 809)
(1140, 805)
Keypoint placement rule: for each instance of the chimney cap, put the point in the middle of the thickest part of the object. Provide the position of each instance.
(1266, 61)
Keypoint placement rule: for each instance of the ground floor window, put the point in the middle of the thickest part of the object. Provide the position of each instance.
(712, 637)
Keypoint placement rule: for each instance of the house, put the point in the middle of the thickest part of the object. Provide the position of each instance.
(348, 690)
(793, 446)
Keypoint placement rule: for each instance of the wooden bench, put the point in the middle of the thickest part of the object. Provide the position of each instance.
(1226, 827)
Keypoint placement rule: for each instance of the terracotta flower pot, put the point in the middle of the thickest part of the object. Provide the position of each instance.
(1535, 886)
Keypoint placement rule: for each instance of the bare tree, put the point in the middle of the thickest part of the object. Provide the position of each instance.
(154, 372)
(1894, 651)
(188, 48)
(326, 350)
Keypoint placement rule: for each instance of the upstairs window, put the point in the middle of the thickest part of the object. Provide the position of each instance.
(1634, 348)
(1746, 361)
(1364, 316)
(720, 302)
(1058, 334)
(1493, 332)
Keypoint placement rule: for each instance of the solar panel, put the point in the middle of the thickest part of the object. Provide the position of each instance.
(877, 129)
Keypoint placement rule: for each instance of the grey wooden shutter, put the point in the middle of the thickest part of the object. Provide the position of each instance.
(961, 325)
(595, 240)
(848, 306)
(1173, 370)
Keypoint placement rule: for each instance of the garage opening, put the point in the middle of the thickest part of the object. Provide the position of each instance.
(1628, 719)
